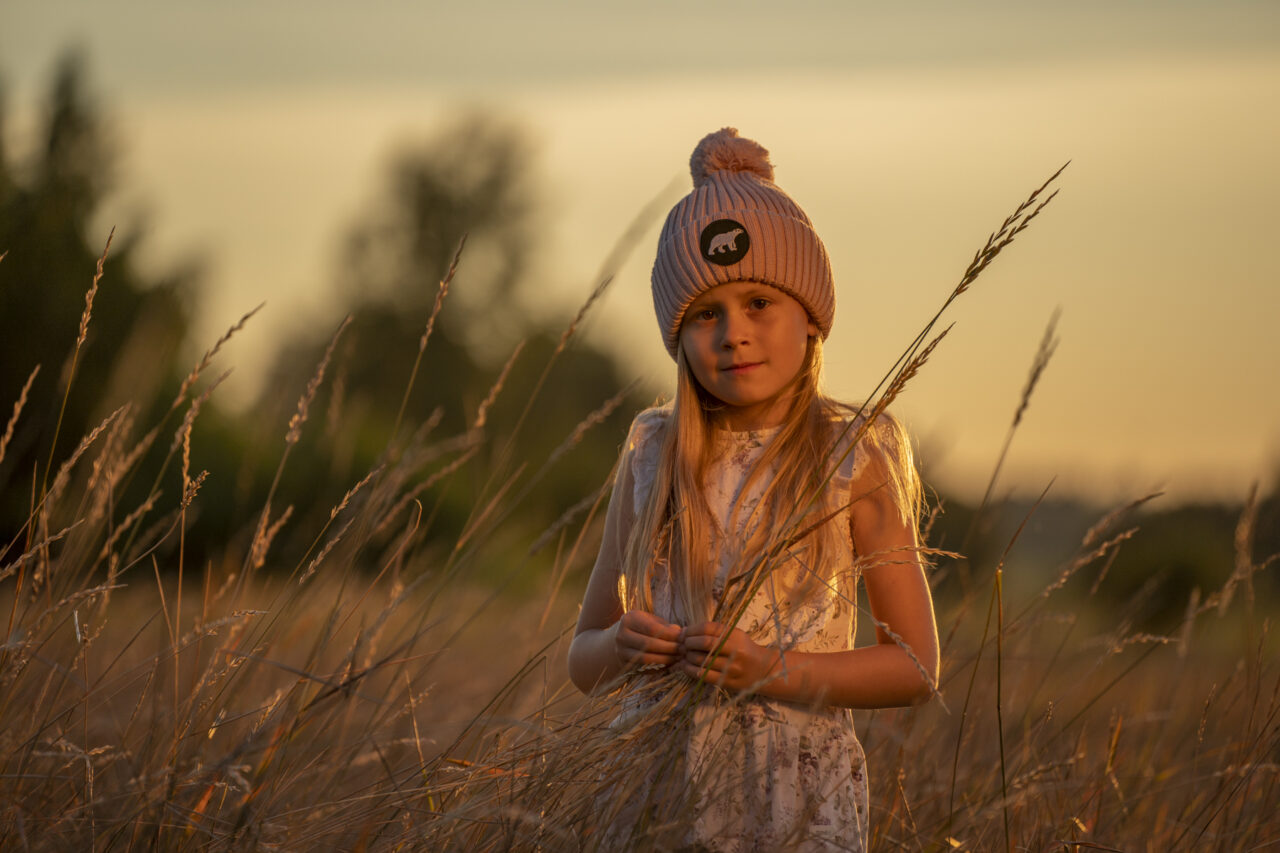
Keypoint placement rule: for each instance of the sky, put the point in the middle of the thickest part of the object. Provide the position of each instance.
(253, 133)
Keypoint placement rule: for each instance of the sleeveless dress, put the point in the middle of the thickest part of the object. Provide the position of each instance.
(765, 773)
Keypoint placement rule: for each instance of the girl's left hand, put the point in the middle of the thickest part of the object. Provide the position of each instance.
(740, 662)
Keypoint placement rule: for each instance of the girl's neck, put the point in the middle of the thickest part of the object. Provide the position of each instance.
(765, 416)
(730, 428)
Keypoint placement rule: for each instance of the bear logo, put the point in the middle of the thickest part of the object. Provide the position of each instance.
(725, 242)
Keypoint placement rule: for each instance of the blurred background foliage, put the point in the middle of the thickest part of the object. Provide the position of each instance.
(473, 177)
(47, 207)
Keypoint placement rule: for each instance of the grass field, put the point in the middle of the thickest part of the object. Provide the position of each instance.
(377, 695)
(388, 714)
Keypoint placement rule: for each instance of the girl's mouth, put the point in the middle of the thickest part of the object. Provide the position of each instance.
(742, 368)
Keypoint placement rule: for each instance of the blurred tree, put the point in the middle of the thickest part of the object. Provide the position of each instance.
(47, 228)
(474, 178)
(1176, 550)
(1173, 551)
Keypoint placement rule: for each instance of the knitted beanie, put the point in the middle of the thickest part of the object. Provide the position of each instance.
(737, 225)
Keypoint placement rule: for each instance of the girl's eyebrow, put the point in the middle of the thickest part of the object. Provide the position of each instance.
(711, 299)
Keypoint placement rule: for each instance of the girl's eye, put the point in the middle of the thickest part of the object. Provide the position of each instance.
(759, 303)
(705, 314)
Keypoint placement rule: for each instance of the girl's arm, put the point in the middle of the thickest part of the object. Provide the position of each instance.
(879, 676)
(607, 641)
(604, 647)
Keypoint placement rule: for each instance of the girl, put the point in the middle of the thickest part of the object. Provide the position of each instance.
(743, 513)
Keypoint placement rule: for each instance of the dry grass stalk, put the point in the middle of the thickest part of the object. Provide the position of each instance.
(91, 293)
(907, 373)
(1104, 549)
(618, 254)
(35, 551)
(567, 517)
(17, 411)
(441, 292)
(182, 435)
(597, 417)
(1048, 344)
(1014, 225)
(324, 552)
(191, 488)
(265, 536)
(1000, 239)
(1095, 533)
(593, 419)
(209, 354)
(925, 674)
(338, 396)
(355, 490)
(568, 333)
(563, 562)
(482, 413)
(334, 513)
(108, 459)
(487, 512)
(124, 464)
(435, 477)
(583, 310)
(127, 523)
(1243, 573)
(64, 471)
(304, 402)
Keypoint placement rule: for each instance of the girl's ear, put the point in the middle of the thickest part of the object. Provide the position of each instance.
(813, 329)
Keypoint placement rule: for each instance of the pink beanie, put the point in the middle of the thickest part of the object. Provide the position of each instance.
(737, 225)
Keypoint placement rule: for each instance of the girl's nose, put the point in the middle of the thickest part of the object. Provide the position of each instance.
(733, 333)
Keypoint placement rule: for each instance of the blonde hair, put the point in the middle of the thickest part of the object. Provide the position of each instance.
(794, 526)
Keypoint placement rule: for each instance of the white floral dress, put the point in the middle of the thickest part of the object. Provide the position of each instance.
(766, 773)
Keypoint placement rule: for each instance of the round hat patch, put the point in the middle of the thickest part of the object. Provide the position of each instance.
(724, 242)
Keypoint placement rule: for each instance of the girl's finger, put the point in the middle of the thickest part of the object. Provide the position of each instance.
(634, 656)
(704, 629)
(640, 641)
(654, 660)
(698, 673)
(642, 622)
(716, 665)
(703, 642)
(647, 642)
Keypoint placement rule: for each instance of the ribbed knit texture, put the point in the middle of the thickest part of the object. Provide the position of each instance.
(784, 252)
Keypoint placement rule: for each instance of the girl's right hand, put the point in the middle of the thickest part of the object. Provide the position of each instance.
(642, 639)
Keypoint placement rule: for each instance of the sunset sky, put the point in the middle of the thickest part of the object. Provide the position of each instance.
(253, 133)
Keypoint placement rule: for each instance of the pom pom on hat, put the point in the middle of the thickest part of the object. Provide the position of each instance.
(737, 225)
(726, 151)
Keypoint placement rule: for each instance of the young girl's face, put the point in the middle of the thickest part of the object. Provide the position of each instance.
(745, 343)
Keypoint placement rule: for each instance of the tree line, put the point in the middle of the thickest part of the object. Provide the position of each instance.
(504, 392)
